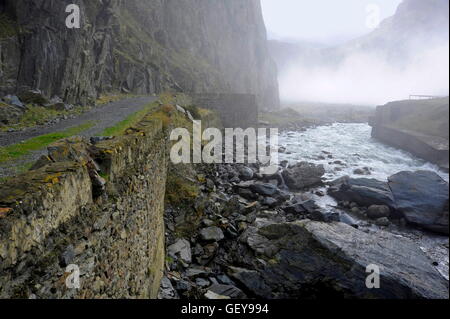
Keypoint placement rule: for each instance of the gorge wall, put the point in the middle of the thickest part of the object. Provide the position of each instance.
(99, 207)
(136, 46)
(420, 127)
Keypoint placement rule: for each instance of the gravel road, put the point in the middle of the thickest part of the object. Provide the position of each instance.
(104, 116)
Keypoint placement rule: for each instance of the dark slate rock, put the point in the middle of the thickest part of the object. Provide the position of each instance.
(269, 201)
(251, 280)
(378, 211)
(67, 256)
(363, 191)
(422, 197)
(14, 101)
(228, 290)
(347, 219)
(303, 175)
(246, 173)
(264, 189)
(309, 251)
(33, 96)
(211, 234)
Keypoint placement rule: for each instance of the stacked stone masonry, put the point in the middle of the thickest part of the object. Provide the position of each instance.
(52, 217)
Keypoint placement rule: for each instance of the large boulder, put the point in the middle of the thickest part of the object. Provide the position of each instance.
(308, 259)
(14, 101)
(303, 175)
(9, 114)
(212, 233)
(182, 249)
(422, 197)
(264, 189)
(33, 96)
(363, 191)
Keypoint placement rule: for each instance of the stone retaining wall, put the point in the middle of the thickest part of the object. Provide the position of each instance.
(235, 110)
(62, 214)
(422, 144)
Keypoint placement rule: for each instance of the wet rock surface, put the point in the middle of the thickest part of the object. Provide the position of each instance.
(256, 239)
(422, 198)
(363, 191)
(303, 175)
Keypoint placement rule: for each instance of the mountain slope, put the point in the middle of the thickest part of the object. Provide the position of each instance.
(416, 25)
(407, 54)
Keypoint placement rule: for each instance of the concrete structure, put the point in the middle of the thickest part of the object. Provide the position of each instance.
(235, 110)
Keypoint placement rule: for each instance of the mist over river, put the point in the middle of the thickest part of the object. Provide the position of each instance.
(342, 148)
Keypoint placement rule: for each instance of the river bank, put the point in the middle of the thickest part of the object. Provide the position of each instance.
(289, 236)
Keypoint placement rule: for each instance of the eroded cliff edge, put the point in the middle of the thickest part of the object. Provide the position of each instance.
(418, 126)
(136, 46)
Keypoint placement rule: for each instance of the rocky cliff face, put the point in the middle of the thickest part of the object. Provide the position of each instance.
(139, 46)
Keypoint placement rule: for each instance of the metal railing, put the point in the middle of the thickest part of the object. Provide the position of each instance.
(423, 97)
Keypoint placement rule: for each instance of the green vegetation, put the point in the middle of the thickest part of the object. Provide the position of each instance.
(15, 151)
(39, 115)
(430, 117)
(18, 169)
(280, 118)
(8, 27)
(133, 119)
(109, 98)
(180, 189)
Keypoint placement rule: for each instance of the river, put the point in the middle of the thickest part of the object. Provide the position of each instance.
(350, 146)
(342, 148)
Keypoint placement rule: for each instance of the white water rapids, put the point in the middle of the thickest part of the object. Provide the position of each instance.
(351, 147)
(342, 148)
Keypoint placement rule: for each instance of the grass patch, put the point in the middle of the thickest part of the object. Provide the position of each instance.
(109, 98)
(8, 27)
(179, 189)
(428, 117)
(133, 119)
(39, 115)
(15, 151)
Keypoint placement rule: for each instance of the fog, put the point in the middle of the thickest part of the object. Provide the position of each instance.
(368, 78)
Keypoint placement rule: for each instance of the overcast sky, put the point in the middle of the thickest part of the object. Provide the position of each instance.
(326, 21)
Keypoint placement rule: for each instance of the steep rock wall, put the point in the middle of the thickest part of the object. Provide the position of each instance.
(137, 45)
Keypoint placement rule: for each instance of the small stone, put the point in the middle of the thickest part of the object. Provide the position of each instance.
(14, 101)
(181, 249)
(166, 290)
(228, 290)
(246, 173)
(202, 283)
(211, 234)
(224, 279)
(269, 201)
(207, 222)
(33, 96)
(378, 211)
(264, 189)
(384, 222)
(213, 296)
(183, 285)
(67, 256)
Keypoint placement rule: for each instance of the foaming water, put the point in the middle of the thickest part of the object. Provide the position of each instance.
(342, 148)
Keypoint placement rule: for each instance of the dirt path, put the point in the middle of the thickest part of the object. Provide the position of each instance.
(104, 116)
